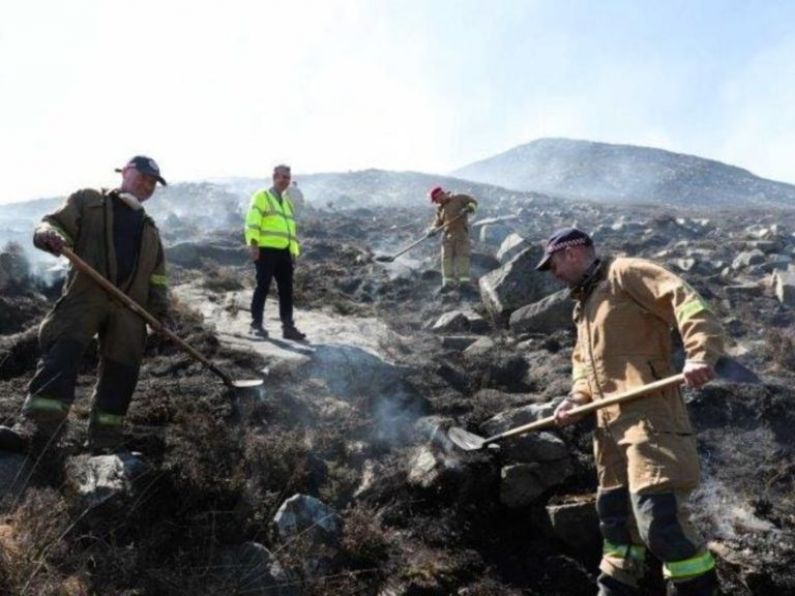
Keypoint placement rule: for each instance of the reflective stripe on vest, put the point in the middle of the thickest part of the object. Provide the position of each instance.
(268, 212)
(697, 565)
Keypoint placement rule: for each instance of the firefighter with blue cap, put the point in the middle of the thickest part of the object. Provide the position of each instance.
(645, 450)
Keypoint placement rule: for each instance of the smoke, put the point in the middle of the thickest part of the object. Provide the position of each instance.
(24, 269)
(728, 514)
(395, 412)
(363, 378)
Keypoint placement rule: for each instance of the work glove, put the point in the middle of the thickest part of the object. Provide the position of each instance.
(469, 208)
(49, 240)
(433, 231)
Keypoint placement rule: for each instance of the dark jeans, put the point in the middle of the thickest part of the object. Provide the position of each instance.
(278, 263)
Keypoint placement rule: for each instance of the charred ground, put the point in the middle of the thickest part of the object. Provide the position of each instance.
(362, 430)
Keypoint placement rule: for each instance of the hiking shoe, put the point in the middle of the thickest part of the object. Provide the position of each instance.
(293, 333)
(258, 330)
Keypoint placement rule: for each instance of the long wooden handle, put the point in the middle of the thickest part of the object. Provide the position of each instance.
(84, 267)
(409, 247)
(594, 405)
(424, 238)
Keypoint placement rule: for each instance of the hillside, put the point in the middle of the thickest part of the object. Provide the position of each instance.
(626, 173)
(192, 209)
(339, 477)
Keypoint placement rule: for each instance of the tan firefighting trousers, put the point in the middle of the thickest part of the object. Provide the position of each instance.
(455, 257)
(645, 477)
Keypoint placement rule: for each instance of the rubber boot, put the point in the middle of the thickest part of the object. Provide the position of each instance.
(105, 440)
(610, 586)
(703, 585)
(28, 435)
(449, 285)
(11, 439)
(469, 292)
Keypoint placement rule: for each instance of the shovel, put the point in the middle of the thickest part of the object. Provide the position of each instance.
(390, 258)
(471, 442)
(81, 265)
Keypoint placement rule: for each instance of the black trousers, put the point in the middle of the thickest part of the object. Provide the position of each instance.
(274, 263)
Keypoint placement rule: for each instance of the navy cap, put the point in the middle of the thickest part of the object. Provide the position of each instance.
(560, 240)
(145, 165)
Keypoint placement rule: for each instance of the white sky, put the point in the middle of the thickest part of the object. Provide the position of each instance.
(228, 88)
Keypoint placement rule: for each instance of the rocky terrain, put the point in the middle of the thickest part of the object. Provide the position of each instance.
(626, 173)
(337, 477)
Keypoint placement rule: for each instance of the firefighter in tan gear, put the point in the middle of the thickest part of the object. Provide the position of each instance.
(110, 230)
(452, 213)
(645, 450)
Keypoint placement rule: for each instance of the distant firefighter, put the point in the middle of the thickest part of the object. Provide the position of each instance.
(273, 245)
(452, 214)
(110, 230)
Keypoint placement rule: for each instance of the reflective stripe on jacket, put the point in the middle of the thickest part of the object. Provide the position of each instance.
(624, 339)
(271, 223)
(86, 223)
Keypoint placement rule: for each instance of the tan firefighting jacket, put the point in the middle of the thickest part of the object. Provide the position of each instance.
(624, 340)
(452, 208)
(86, 223)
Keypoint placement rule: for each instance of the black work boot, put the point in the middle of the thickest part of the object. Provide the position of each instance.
(703, 585)
(468, 291)
(258, 330)
(105, 440)
(291, 332)
(610, 586)
(447, 288)
(12, 439)
(26, 435)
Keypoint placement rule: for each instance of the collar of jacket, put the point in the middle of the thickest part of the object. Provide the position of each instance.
(593, 275)
(127, 198)
(275, 193)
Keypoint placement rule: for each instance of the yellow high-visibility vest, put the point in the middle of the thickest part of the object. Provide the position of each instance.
(270, 223)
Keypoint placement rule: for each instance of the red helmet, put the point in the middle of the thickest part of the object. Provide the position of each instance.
(435, 193)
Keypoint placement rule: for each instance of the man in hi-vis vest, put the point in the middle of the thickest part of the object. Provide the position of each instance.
(273, 246)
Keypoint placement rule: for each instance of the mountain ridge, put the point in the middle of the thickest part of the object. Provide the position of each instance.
(592, 170)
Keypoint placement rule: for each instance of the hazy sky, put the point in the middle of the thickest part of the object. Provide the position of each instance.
(221, 88)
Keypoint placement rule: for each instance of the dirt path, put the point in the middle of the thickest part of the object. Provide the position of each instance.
(346, 353)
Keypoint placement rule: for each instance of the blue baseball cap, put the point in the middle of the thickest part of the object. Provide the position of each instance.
(145, 165)
(559, 240)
